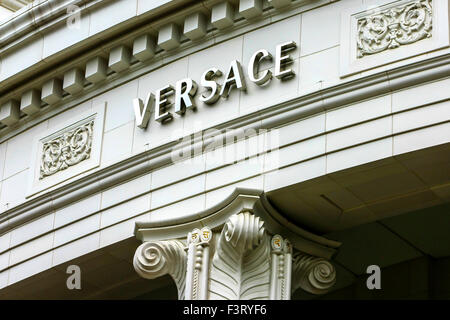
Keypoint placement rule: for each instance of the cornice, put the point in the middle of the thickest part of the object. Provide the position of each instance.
(32, 22)
(277, 115)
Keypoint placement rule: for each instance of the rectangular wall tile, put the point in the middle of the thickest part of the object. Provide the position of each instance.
(77, 230)
(32, 248)
(294, 153)
(32, 229)
(125, 211)
(4, 260)
(63, 36)
(183, 209)
(4, 278)
(157, 134)
(117, 143)
(276, 91)
(247, 145)
(22, 58)
(126, 190)
(422, 138)
(301, 129)
(119, 105)
(68, 115)
(19, 149)
(420, 117)
(319, 68)
(360, 133)
(272, 35)
(144, 6)
(359, 155)
(13, 191)
(178, 171)
(420, 95)
(294, 174)
(2, 158)
(75, 249)
(121, 231)
(111, 14)
(30, 268)
(321, 26)
(177, 191)
(358, 112)
(232, 173)
(77, 210)
(5, 240)
(199, 62)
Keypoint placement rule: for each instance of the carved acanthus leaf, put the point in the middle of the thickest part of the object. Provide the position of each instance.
(393, 27)
(155, 259)
(241, 264)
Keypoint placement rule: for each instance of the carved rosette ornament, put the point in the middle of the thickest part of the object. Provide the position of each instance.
(394, 27)
(66, 150)
(238, 261)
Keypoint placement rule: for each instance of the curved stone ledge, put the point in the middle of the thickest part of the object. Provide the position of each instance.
(240, 200)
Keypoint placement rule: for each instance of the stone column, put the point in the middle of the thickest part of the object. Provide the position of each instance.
(238, 260)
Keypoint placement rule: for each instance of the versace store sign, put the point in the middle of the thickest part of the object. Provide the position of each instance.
(224, 150)
(185, 89)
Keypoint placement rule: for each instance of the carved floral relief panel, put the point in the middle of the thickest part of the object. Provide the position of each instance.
(394, 27)
(66, 151)
(392, 31)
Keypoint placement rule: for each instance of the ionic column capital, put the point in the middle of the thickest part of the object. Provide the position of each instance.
(240, 249)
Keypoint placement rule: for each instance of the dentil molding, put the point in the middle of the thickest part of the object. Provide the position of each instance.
(393, 31)
(135, 50)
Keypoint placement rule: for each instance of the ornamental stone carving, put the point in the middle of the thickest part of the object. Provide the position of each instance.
(240, 268)
(312, 274)
(67, 149)
(394, 27)
(155, 259)
(247, 263)
(238, 256)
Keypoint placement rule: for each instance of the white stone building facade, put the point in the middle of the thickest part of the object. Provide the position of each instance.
(239, 149)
